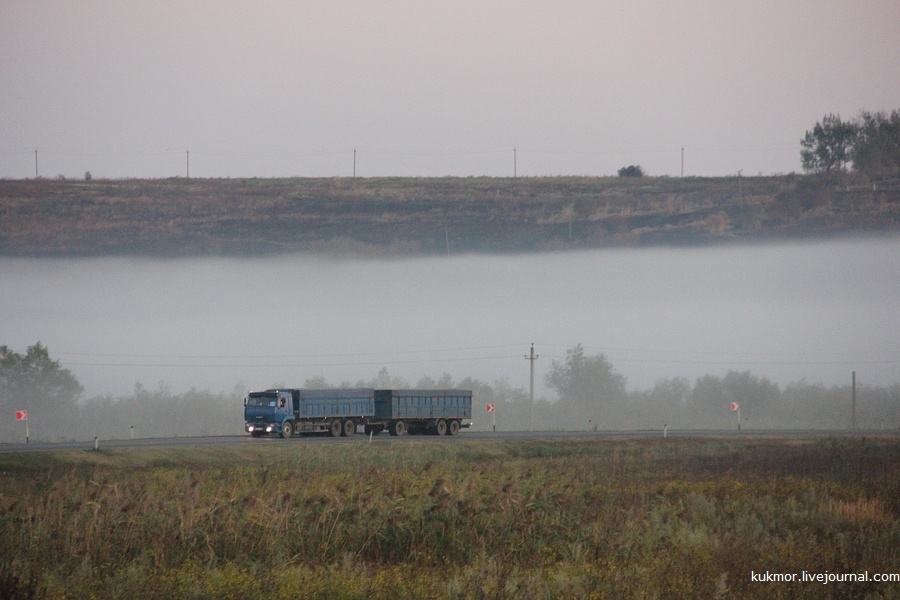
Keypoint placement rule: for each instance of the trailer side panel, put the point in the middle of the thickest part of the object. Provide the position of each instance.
(421, 404)
(334, 403)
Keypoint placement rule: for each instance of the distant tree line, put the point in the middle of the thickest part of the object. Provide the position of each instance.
(591, 395)
(870, 143)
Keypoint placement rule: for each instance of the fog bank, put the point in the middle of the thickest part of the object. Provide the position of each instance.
(813, 311)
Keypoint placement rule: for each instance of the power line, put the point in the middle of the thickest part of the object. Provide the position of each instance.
(279, 356)
(284, 361)
(194, 365)
(595, 151)
(620, 355)
(854, 353)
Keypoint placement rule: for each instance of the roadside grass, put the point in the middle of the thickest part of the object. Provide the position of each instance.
(648, 518)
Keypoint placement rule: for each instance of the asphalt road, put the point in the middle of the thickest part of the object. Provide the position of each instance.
(104, 444)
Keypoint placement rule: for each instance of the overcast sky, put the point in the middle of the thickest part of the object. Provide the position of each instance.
(226, 88)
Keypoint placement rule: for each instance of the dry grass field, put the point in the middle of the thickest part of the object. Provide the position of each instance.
(416, 216)
(589, 518)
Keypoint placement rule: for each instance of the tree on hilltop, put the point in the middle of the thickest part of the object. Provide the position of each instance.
(871, 142)
(631, 171)
(828, 146)
(876, 150)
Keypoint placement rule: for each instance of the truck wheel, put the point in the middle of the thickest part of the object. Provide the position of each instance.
(441, 427)
(287, 430)
(453, 428)
(398, 428)
(349, 428)
(334, 430)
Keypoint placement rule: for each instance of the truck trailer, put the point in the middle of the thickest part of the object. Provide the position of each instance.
(340, 412)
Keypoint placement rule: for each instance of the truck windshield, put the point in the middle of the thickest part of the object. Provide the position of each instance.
(262, 400)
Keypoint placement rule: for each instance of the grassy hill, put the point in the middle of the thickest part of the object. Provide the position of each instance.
(414, 216)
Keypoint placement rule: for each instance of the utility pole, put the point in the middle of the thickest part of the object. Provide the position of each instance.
(515, 166)
(682, 161)
(354, 162)
(35, 164)
(188, 153)
(531, 359)
(853, 403)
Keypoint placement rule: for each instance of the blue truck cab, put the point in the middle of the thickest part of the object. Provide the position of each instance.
(267, 412)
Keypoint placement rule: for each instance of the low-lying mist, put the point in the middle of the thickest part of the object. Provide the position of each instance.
(810, 312)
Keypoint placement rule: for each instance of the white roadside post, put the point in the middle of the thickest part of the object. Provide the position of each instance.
(491, 408)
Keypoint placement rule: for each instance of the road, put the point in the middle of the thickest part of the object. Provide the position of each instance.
(383, 439)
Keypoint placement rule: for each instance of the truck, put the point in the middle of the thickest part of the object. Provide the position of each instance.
(341, 411)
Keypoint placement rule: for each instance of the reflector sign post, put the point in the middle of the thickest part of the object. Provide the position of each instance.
(22, 415)
(492, 408)
(736, 406)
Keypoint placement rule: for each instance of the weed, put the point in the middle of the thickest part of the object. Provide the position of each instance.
(531, 519)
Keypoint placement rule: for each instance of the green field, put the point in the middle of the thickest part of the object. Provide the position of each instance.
(645, 518)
